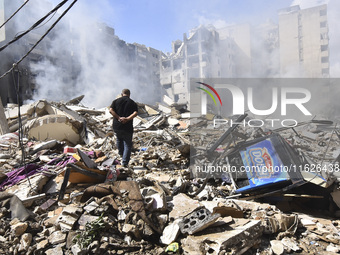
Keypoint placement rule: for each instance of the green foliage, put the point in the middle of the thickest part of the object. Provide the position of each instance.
(91, 231)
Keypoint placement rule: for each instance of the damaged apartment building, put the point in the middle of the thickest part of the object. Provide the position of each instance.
(15, 51)
(141, 63)
(295, 47)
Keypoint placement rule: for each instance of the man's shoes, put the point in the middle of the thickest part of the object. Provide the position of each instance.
(124, 165)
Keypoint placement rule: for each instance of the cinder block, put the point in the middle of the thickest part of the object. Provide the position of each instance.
(197, 220)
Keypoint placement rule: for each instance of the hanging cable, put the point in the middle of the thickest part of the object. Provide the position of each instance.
(21, 133)
(14, 13)
(35, 45)
(41, 24)
(46, 21)
(33, 26)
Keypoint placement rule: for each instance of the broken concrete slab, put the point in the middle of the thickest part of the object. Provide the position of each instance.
(19, 228)
(164, 109)
(182, 205)
(222, 220)
(42, 244)
(25, 242)
(170, 232)
(159, 176)
(168, 100)
(12, 112)
(155, 202)
(154, 198)
(290, 244)
(57, 237)
(280, 223)
(250, 205)
(16, 207)
(59, 127)
(309, 135)
(84, 219)
(82, 109)
(91, 207)
(237, 240)
(68, 217)
(57, 250)
(150, 110)
(332, 248)
(277, 247)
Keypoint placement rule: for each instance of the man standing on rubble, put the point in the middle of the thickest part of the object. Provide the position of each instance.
(123, 110)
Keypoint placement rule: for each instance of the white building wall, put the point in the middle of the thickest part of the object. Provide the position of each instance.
(302, 34)
(265, 50)
(289, 44)
(296, 47)
(196, 57)
(235, 50)
(314, 25)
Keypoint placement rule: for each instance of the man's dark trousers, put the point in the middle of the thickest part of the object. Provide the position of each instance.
(124, 145)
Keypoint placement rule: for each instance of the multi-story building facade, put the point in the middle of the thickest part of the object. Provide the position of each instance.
(145, 71)
(21, 79)
(206, 53)
(73, 53)
(265, 50)
(303, 38)
(196, 56)
(235, 51)
(295, 47)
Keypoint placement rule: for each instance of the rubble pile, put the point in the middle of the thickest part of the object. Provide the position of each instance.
(63, 190)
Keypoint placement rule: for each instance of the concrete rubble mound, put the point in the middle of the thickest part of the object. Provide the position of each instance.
(63, 190)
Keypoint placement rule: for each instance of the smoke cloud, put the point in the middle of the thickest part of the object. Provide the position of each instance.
(309, 3)
(83, 57)
(101, 73)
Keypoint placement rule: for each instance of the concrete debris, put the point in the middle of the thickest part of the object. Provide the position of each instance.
(233, 240)
(68, 217)
(64, 191)
(170, 232)
(183, 205)
(277, 247)
(19, 228)
(197, 220)
(25, 242)
(62, 126)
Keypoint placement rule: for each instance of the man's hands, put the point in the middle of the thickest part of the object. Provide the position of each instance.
(126, 119)
(123, 119)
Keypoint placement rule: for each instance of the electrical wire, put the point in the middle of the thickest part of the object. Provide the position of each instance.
(35, 45)
(17, 89)
(14, 13)
(46, 21)
(36, 24)
(23, 157)
(40, 25)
